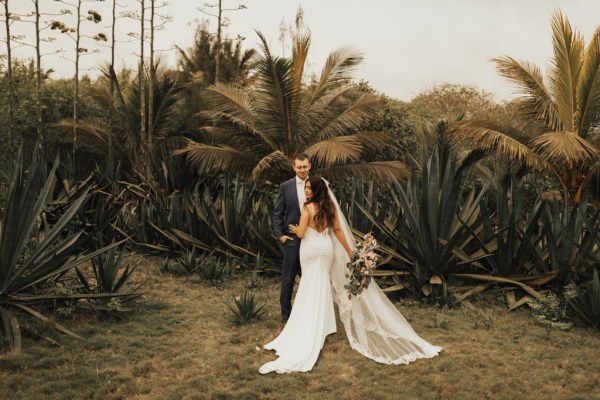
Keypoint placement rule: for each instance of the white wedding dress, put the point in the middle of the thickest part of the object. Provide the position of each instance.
(313, 317)
(374, 326)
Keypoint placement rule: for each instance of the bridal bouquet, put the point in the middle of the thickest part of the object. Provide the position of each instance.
(363, 263)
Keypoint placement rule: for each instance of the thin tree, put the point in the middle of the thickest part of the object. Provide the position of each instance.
(33, 17)
(75, 34)
(157, 21)
(8, 20)
(147, 14)
(222, 21)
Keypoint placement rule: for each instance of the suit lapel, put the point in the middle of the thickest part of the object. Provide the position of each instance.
(295, 194)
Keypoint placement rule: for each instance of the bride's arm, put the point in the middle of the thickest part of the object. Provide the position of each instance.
(300, 229)
(339, 234)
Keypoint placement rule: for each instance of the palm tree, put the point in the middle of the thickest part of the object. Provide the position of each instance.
(197, 64)
(259, 130)
(563, 112)
(126, 125)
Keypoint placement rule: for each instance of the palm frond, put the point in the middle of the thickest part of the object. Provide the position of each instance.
(353, 118)
(273, 161)
(341, 149)
(588, 89)
(536, 102)
(166, 96)
(500, 139)
(299, 55)
(564, 148)
(215, 159)
(381, 171)
(375, 139)
(92, 128)
(235, 106)
(337, 70)
(274, 91)
(566, 67)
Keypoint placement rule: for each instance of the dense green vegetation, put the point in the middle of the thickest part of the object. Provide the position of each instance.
(464, 194)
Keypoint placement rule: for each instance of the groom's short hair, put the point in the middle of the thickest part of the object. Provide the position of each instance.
(301, 157)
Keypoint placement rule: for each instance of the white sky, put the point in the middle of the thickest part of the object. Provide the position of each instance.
(408, 45)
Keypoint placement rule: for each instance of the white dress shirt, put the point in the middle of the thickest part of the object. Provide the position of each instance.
(300, 189)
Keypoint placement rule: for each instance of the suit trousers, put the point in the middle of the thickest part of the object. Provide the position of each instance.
(291, 268)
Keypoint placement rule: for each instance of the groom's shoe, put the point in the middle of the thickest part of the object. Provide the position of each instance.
(284, 321)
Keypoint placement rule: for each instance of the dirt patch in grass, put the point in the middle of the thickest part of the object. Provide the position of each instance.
(180, 343)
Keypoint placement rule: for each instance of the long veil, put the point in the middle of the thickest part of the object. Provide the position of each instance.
(374, 326)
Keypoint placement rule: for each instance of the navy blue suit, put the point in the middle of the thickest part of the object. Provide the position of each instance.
(287, 211)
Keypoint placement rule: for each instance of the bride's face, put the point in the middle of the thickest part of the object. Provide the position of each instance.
(308, 190)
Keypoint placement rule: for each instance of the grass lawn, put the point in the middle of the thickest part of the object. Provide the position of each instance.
(180, 343)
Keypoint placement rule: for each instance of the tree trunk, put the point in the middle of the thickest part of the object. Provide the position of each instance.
(38, 75)
(143, 138)
(218, 50)
(151, 83)
(112, 89)
(11, 94)
(76, 88)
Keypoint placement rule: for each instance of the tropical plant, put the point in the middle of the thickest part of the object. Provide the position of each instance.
(515, 231)
(441, 224)
(570, 240)
(256, 279)
(564, 112)
(214, 270)
(106, 269)
(35, 253)
(258, 131)
(586, 303)
(197, 64)
(126, 122)
(246, 308)
(189, 262)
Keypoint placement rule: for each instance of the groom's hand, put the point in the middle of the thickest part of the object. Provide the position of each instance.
(285, 238)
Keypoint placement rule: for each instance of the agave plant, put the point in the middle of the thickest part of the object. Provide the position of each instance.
(246, 308)
(441, 224)
(189, 262)
(32, 251)
(106, 268)
(570, 239)
(214, 270)
(516, 233)
(586, 303)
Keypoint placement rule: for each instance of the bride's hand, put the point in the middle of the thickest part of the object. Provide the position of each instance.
(293, 228)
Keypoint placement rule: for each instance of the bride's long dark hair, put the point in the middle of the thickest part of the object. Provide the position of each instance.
(320, 196)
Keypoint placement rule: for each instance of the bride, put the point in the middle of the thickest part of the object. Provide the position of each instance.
(375, 328)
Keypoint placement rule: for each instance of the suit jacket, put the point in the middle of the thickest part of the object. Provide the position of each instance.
(287, 209)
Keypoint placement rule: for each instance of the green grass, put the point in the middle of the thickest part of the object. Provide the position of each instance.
(181, 343)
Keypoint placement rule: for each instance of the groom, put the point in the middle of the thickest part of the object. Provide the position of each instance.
(287, 211)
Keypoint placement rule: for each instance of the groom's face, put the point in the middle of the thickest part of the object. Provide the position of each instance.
(302, 168)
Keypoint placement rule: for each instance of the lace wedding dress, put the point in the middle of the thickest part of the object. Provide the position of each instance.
(374, 326)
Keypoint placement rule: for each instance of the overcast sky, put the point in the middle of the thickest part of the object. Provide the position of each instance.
(408, 45)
